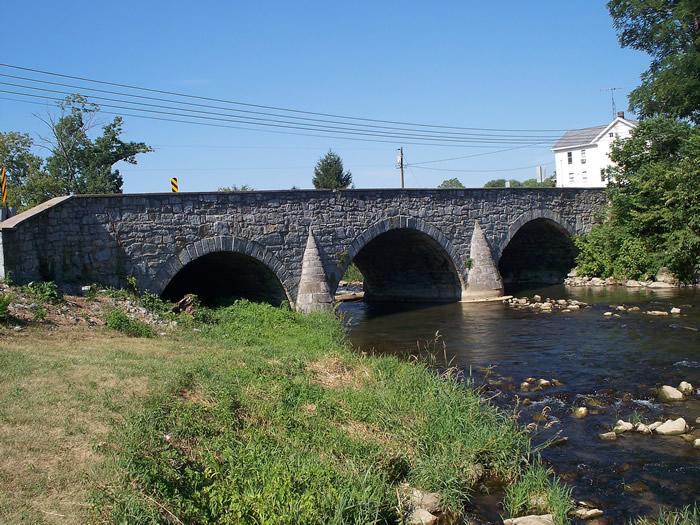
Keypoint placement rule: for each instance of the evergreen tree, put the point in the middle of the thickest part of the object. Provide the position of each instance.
(329, 174)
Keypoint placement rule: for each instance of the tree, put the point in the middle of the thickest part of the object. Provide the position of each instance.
(549, 182)
(451, 184)
(669, 31)
(25, 173)
(654, 214)
(329, 174)
(234, 188)
(82, 165)
(501, 183)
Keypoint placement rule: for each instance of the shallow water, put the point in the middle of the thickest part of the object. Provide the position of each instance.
(610, 363)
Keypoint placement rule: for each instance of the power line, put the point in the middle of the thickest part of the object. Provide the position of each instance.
(482, 171)
(329, 129)
(275, 108)
(209, 106)
(210, 124)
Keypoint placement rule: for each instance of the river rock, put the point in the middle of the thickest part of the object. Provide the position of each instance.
(621, 308)
(672, 428)
(668, 394)
(537, 298)
(608, 314)
(524, 386)
(544, 383)
(642, 428)
(574, 307)
(655, 425)
(657, 312)
(622, 426)
(675, 310)
(664, 275)
(580, 412)
(597, 281)
(422, 517)
(634, 309)
(633, 284)
(685, 388)
(696, 443)
(608, 436)
(659, 284)
(584, 513)
(545, 519)
(429, 501)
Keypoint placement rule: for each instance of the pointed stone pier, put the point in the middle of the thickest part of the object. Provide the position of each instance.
(314, 294)
(483, 280)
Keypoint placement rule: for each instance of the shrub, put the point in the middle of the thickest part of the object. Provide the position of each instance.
(5, 301)
(153, 303)
(44, 291)
(118, 320)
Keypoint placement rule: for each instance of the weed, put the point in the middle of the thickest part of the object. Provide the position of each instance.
(685, 516)
(43, 291)
(153, 303)
(39, 312)
(353, 274)
(537, 492)
(118, 320)
(5, 301)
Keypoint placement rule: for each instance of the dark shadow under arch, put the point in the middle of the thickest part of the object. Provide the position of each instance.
(405, 264)
(541, 251)
(221, 276)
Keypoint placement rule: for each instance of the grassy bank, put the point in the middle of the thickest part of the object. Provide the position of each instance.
(257, 415)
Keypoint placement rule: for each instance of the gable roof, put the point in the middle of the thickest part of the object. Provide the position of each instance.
(585, 136)
(579, 137)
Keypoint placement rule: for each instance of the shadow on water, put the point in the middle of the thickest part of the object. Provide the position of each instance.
(611, 364)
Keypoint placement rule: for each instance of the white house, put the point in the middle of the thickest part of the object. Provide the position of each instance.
(581, 155)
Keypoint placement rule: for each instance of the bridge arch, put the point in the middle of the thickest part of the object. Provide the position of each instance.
(224, 265)
(405, 259)
(538, 248)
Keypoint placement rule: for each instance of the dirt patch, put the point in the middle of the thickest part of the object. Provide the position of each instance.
(332, 372)
(366, 432)
(196, 396)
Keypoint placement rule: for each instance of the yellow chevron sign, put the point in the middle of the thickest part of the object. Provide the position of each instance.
(173, 185)
(3, 185)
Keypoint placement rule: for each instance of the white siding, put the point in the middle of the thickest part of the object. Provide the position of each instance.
(586, 174)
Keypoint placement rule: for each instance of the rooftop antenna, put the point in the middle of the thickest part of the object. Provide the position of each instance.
(612, 99)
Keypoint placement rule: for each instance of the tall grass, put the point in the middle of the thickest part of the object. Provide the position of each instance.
(277, 421)
(689, 515)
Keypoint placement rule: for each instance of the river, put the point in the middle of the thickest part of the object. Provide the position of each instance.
(611, 364)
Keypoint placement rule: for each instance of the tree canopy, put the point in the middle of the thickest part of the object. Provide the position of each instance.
(76, 163)
(669, 31)
(653, 218)
(329, 174)
(451, 184)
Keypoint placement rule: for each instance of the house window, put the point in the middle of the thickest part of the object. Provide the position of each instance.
(584, 176)
(570, 157)
(571, 177)
(583, 156)
(611, 134)
(602, 175)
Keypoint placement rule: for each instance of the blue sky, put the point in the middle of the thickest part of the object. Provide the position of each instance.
(511, 64)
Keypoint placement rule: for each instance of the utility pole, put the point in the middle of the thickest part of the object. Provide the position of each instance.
(399, 161)
(612, 100)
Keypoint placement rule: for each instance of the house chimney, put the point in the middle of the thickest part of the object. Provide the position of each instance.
(621, 114)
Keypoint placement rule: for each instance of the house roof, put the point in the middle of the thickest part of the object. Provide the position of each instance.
(578, 137)
(585, 136)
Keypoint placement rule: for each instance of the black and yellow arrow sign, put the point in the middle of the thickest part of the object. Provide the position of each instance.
(173, 185)
(3, 185)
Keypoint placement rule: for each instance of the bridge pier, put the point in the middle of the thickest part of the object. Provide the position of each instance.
(314, 293)
(483, 279)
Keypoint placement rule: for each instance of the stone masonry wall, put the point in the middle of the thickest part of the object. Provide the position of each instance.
(86, 239)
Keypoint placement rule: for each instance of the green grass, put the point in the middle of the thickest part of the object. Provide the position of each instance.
(289, 426)
(353, 274)
(538, 492)
(5, 301)
(685, 516)
(117, 319)
(261, 415)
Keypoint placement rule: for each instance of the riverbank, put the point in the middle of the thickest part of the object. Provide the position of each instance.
(248, 414)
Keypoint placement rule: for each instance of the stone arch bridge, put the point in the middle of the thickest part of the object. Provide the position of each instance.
(418, 245)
